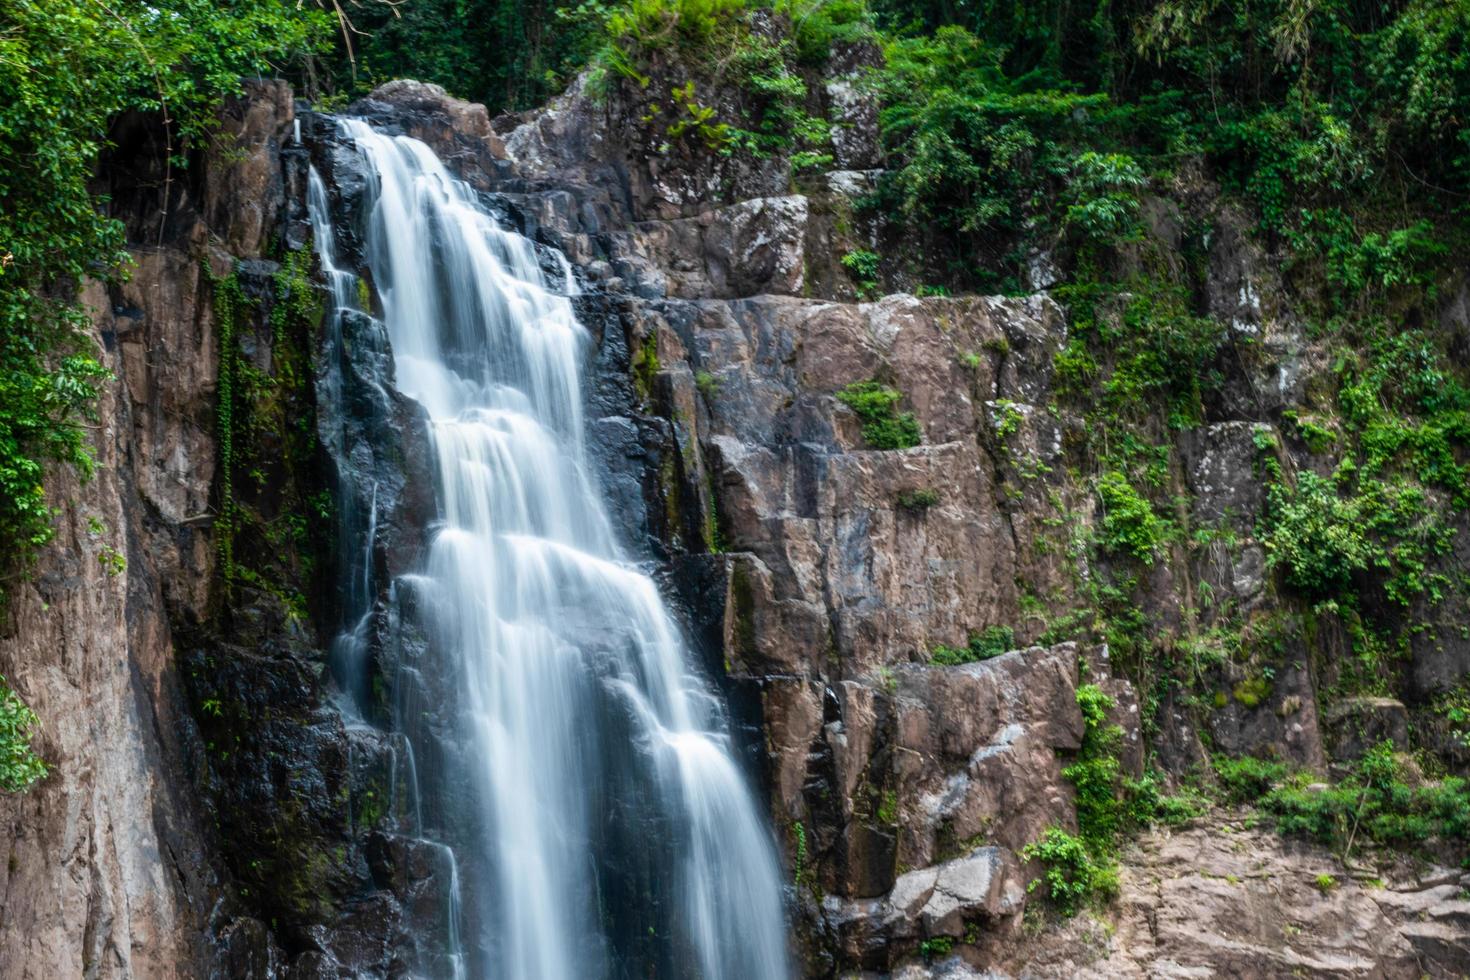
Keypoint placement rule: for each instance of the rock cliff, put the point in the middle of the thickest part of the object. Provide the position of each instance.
(822, 573)
(212, 813)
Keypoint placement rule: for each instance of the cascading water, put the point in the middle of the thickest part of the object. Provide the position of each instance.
(599, 763)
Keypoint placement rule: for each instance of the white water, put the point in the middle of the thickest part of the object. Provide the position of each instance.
(569, 664)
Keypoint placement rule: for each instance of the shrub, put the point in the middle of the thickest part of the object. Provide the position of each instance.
(819, 24)
(19, 764)
(862, 265)
(646, 24)
(884, 427)
(1102, 196)
(1129, 526)
(975, 149)
(1148, 804)
(918, 500)
(989, 642)
(1247, 779)
(1374, 802)
(1073, 874)
(1315, 537)
(1096, 772)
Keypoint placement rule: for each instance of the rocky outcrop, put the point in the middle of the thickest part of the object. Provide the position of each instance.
(1226, 900)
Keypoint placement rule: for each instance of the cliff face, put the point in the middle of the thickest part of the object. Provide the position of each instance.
(821, 573)
(211, 813)
(110, 870)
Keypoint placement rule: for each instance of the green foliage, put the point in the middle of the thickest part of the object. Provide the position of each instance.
(508, 54)
(1007, 419)
(863, 266)
(272, 520)
(1325, 883)
(1247, 779)
(1012, 125)
(753, 75)
(884, 427)
(918, 500)
(645, 24)
(1096, 773)
(1147, 803)
(67, 68)
(936, 946)
(229, 313)
(19, 765)
(1136, 351)
(1315, 536)
(1083, 867)
(1374, 802)
(979, 152)
(800, 873)
(694, 118)
(1129, 525)
(819, 24)
(1073, 874)
(1102, 196)
(982, 645)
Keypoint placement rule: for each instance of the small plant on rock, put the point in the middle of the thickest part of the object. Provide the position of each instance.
(884, 427)
(1072, 874)
(19, 765)
(989, 642)
(918, 500)
(862, 265)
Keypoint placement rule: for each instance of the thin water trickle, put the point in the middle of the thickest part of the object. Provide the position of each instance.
(573, 680)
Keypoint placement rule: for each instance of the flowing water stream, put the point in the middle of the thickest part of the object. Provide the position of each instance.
(598, 764)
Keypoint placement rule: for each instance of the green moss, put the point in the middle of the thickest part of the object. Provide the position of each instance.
(888, 809)
(646, 367)
(1252, 691)
(743, 596)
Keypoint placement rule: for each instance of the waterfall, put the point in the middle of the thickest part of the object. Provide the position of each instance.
(598, 763)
